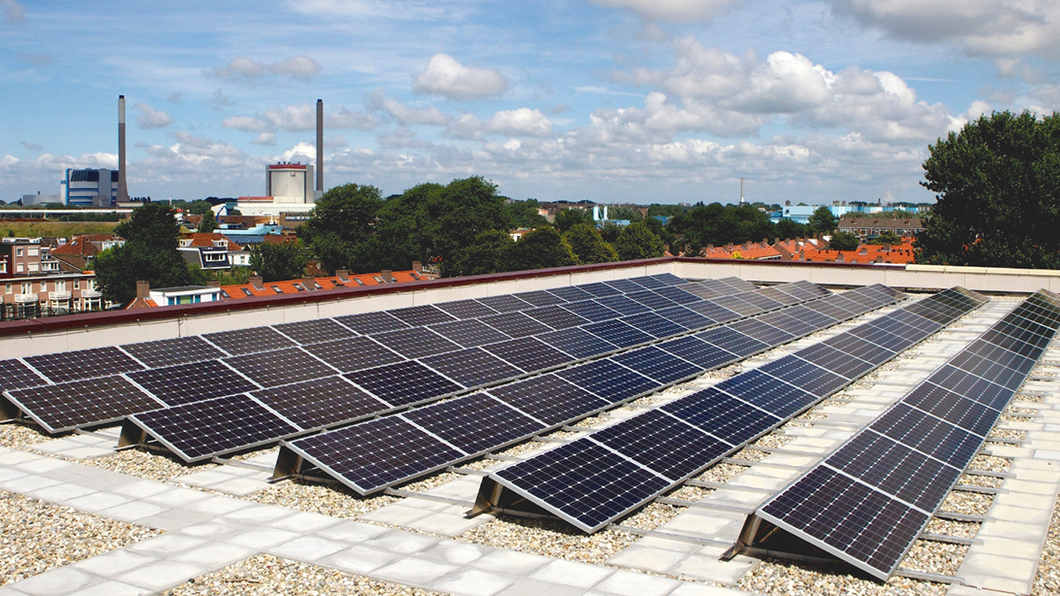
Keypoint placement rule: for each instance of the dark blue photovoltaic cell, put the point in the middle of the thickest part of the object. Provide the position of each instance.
(249, 341)
(686, 318)
(677, 295)
(314, 331)
(841, 363)
(623, 306)
(579, 343)
(528, 353)
(355, 353)
(320, 402)
(170, 352)
(662, 443)
(733, 341)
(558, 478)
(556, 317)
(15, 375)
(472, 367)
(418, 316)
(656, 364)
(539, 298)
(404, 383)
(591, 310)
(372, 322)
(608, 380)
(764, 333)
(787, 323)
(504, 303)
(952, 407)
(654, 325)
(549, 399)
(625, 286)
(280, 367)
(469, 333)
(83, 364)
(926, 434)
(599, 289)
(474, 423)
(768, 393)
(618, 333)
(698, 352)
(516, 324)
(809, 377)
(738, 305)
(855, 346)
(186, 383)
(466, 309)
(571, 293)
(721, 415)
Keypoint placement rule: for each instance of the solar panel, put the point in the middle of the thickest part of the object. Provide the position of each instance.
(662, 367)
(418, 316)
(404, 383)
(623, 305)
(473, 367)
(649, 281)
(205, 429)
(16, 375)
(528, 353)
(685, 317)
(787, 323)
(702, 290)
(737, 305)
(760, 300)
(76, 404)
(83, 364)
(654, 325)
(737, 285)
(475, 423)
(556, 317)
(591, 310)
(516, 324)
(369, 456)
(185, 383)
(625, 286)
(807, 376)
(372, 322)
(652, 300)
(539, 298)
(168, 352)
(415, 342)
(722, 415)
(714, 312)
(609, 380)
(579, 343)
(549, 398)
(768, 393)
(677, 295)
(842, 363)
(698, 352)
(321, 402)
(249, 341)
(466, 309)
(315, 331)
(668, 278)
(280, 367)
(732, 340)
(504, 303)
(619, 333)
(355, 353)
(599, 289)
(774, 294)
(469, 333)
(662, 443)
(763, 332)
(571, 293)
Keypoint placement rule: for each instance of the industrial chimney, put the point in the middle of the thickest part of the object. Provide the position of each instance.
(320, 146)
(123, 187)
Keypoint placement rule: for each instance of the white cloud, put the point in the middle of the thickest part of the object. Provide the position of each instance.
(13, 11)
(996, 28)
(150, 118)
(297, 119)
(520, 122)
(672, 10)
(446, 77)
(244, 70)
(377, 101)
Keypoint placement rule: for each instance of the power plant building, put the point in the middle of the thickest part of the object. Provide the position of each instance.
(90, 188)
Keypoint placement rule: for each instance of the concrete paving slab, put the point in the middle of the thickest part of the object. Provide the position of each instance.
(628, 583)
(57, 581)
(656, 560)
(569, 573)
(690, 589)
(473, 582)
(263, 538)
(178, 497)
(161, 575)
(415, 571)
(457, 553)
(133, 512)
(360, 559)
(510, 562)
(533, 587)
(308, 548)
(138, 489)
(166, 545)
(404, 543)
(27, 483)
(214, 556)
(303, 522)
(114, 563)
(258, 514)
(96, 501)
(110, 588)
(60, 492)
(241, 486)
(396, 514)
(452, 523)
(217, 505)
(709, 568)
(351, 531)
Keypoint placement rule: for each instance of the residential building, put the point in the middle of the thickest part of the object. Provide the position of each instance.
(871, 227)
(80, 251)
(44, 295)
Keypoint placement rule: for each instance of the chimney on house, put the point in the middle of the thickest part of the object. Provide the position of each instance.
(387, 276)
(143, 289)
(417, 266)
(343, 275)
(309, 282)
(257, 281)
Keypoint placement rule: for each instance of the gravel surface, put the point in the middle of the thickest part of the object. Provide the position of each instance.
(785, 578)
(19, 436)
(550, 538)
(265, 575)
(36, 536)
(331, 500)
(946, 527)
(934, 557)
(144, 464)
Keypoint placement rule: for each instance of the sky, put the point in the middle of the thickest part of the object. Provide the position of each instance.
(644, 101)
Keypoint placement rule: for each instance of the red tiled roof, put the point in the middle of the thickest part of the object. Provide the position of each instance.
(900, 254)
(294, 286)
(83, 245)
(200, 239)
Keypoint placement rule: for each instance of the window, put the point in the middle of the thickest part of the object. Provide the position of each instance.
(19, 251)
(3, 266)
(32, 252)
(60, 286)
(7, 288)
(77, 284)
(27, 288)
(33, 266)
(19, 268)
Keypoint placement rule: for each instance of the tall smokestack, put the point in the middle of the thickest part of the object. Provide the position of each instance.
(123, 188)
(741, 191)
(320, 146)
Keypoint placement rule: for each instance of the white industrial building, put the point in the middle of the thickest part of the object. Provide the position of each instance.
(90, 188)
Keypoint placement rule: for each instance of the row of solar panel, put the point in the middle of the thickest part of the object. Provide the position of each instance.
(597, 479)
(188, 429)
(95, 401)
(869, 501)
(97, 362)
(373, 455)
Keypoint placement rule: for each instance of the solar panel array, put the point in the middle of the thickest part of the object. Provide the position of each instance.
(594, 480)
(441, 369)
(443, 434)
(315, 349)
(869, 500)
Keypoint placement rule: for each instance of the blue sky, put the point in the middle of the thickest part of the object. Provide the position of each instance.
(609, 100)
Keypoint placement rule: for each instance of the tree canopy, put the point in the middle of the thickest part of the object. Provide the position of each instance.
(588, 245)
(636, 241)
(997, 185)
(822, 221)
(277, 262)
(149, 253)
(342, 226)
(540, 248)
(843, 241)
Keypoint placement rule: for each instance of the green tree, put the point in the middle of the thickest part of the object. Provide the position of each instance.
(524, 214)
(624, 213)
(589, 246)
(277, 262)
(149, 253)
(458, 213)
(489, 253)
(822, 221)
(788, 229)
(997, 185)
(886, 237)
(609, 232)
(404, 229)
(540, 248)
(843, 241)
(198, 207)
(341, 228)
(208, 223)
(568, 218)
(636, 241)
